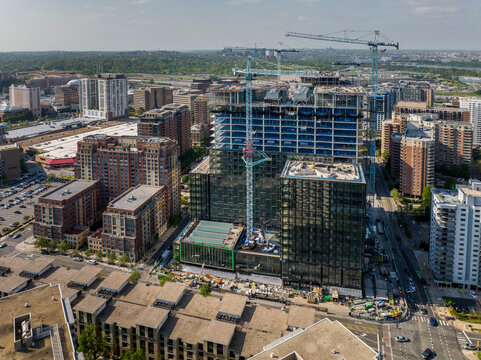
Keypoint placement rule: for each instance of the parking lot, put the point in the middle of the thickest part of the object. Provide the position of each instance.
(16, 202)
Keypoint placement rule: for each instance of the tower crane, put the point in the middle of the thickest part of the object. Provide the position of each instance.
(277, 52)
(248, 157)
(374, 45)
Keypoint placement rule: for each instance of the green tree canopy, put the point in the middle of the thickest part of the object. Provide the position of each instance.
(88, 252)
(112, 257)
(134, 276)
(385, 156)
(427, 194)
(52, 244)
(134, 355)
(124, 259)
(63, 246)
(92, 344)
(41, 242)
(99, 254)
(205, 290)
(396, 195)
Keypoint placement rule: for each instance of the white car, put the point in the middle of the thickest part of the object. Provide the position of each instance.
(92, 262)
(2, 245)
(473, 294)
(410, 291)
(402, 339)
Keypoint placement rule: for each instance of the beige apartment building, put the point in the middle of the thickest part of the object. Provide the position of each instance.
(454, 143)
(153, 97)
(28, 98)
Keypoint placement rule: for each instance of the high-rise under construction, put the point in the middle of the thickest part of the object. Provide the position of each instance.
(315, 119)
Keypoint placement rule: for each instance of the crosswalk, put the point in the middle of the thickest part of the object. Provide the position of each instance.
(462, 337)
(425, 319)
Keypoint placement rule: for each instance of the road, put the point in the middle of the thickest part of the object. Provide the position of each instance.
(443, 339)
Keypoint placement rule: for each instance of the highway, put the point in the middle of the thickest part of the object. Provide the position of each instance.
(443, 339)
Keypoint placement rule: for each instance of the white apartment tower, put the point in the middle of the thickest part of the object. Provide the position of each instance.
(104, 97)
(454, 251)
(474, 107)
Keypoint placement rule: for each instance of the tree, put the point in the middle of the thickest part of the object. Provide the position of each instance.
(92, 345)
(16, 223)
(166, 278)
(41, 242)
(51, 176)
(26, 218)
(134, 355)
(88, 252)
(183, 200)
(112, 257)
(151, 81)
(185, 179)
(134, 276)
(124, 259)
(52, 244)
(396, 195)
(99, 254)
(5, 229)
(23, 165)
(205, 290)
(63, 246)
(385, 156)
(427, 195)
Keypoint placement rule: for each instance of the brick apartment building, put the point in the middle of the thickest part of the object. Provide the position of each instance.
(444, 113)
(133, 221)
(151, 98)
(121, 162)
(66, 95)
(172, 121)
(413, 159)
(389, 127)
(200, 85)
(10, 162)
(454, 143)
(57, 212)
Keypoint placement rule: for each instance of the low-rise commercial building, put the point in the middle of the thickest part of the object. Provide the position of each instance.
(133, 222)
(62, 209)
(444, 113)
(455, 237)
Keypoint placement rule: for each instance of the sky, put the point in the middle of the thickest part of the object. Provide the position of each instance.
(34, 25)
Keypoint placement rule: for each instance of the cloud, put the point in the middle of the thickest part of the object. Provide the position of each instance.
(300, 18)
(139, 2)
(433, 10)
(241, 2)
(110, 8)
(307, 2)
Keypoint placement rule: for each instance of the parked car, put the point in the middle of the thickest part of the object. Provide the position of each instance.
(424, 312)
(2, 245)
(16, 236)
(92, 262)
(402, 339)
(427, 353)
(18, 212)
(78, 258)
(473, 294)
(45, 252)
(470, 346)
(433, 321)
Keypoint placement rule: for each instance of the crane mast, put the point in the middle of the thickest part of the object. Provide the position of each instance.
(249, 152)
(371, 132)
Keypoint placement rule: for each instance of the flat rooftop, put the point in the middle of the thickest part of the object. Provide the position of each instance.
(86, 274)
(233, 304)
(199, 306)
(190, 329)
(203, 167)
(171, 292)
(134, 198)
(68, 190)
(152, 317)
(10, 283)
(67, 147)
(337, 171)
(115, 280)
(300, 317)
(219, 332)
(35, 130)
(61, 276)
(141, 294)
(90, 304)
(122, 313)
(44, 311)
(320, 338)
(215, 233)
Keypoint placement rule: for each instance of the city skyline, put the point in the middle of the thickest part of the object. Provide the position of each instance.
(184, 25)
